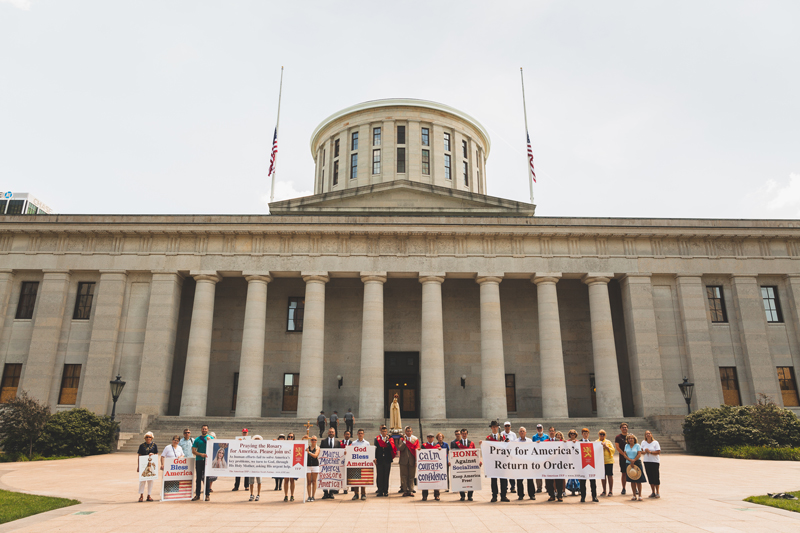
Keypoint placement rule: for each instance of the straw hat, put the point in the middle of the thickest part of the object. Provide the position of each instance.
(633, 472)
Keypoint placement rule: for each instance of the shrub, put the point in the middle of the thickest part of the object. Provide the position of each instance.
(77, 432)
(22, 421)
(762, 425)
(760, 452)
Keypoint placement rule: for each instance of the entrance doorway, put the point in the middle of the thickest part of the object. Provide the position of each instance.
(401, 377)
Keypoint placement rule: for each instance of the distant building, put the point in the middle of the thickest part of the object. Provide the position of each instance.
(22, 203)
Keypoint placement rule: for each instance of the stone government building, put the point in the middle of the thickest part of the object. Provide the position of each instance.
(399, 275)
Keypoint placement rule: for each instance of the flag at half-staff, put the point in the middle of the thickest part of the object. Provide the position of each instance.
(527, 136)
(530, 157)
(274, 154)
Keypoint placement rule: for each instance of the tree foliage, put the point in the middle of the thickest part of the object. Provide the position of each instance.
(77, 432)
(22, 421)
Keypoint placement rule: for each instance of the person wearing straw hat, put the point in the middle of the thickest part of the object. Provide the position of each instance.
(634, 471)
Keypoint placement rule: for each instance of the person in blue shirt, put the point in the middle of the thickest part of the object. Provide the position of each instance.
(633, 453)
(539, 436)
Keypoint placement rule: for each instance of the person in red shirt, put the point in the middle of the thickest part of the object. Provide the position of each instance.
(385, 452)
(431, 445)
(465, 444)
(496, 436)
(409, 444)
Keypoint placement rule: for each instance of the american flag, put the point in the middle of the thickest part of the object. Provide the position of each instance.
(530, 157)
(178, 490)
(274, 153)
(357, 477)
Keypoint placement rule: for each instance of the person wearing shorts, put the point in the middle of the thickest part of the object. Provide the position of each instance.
(312, 462)
(608, 462)
(619, 444)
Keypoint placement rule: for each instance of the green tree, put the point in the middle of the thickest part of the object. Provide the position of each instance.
(22, 421)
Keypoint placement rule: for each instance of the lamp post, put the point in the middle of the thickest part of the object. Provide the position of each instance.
(116, 389)
(687, 389)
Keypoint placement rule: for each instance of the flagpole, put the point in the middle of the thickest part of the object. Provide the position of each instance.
(525, 111)
(277, 125)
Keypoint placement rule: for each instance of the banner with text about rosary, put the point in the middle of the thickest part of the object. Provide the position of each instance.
(543, 460)
(256, 458)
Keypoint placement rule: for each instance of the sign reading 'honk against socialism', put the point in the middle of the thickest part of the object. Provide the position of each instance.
(465, 470)
(543, 460)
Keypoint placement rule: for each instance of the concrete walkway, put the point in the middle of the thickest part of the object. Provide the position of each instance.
(699, 494)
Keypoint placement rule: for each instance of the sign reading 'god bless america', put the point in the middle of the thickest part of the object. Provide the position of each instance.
(543, 460)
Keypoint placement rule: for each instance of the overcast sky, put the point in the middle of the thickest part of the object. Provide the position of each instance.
(635, 109)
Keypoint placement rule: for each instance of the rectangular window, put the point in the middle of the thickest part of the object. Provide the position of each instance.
(446, 142)
(3, 206)
(477, 176)
(464, 148)
(466, 173)
(788, 386)
(27, 299)
(323, 156)
(336, 148)
(83, 301)
(376, 161)
(447, 174)
(426, 162)
(295, 319)
(291, 385)
(235, 390)
(69, 385)
(376, 136)
(354, 141)
(31, 209)
(425, 137)
(353, 166)
(15, 207)
(401, 134)
(716, 303)
(511, 393)
(401, 160)
(730, 385)
(771, 304)
(8, 387)
(336, 172)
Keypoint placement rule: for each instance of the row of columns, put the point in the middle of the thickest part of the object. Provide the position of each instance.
(432, 368)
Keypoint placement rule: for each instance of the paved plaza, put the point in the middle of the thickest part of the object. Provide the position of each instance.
(699, 494)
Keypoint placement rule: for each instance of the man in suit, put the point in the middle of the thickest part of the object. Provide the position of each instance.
(330, 442)
(592, 482)
(409, 444)
(385, 453)
(456, 439)
(464, 444)
(496, 436)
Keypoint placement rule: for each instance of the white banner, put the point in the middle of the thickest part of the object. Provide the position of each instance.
(359, 465)
(331, 469)
(256, 458)
(465, 470)
(431, 469)
(148, 467)
(543, 460)
(176, 481)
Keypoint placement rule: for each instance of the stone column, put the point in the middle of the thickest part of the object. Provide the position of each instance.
(493, 373)
(103, 344)
(431, 358)
(647, 379)
(371, 397)
(158, 350)
(606, 373)
(697, 341)
(251, 362)
(753, 334)
(39, 370)
(551, 355)
(6, 287)
(793, 318)
(312, 351)
(198, 353)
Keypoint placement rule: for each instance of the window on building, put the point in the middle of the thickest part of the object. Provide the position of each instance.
(788, 386)
(730, 385)
(15, 207)
(466, 173)
(83, 301)
(447, 174)
(401, 134)
(235, 390)
(716, 303)
(336, 172)
(771, 304)
(376, 161)
(295, 318)
(354, 141)
(464, 148)
(511, 393)
(376, 136)
(69, 385)
(336, 148)
(426, 162)
(353, 166)
(477, 176)
(323, 156)
(31, 209)
(446, 142)
(291, 384)
(27, 299)
(3, 204)
(426, 137)
(401, 160)
(8, 387)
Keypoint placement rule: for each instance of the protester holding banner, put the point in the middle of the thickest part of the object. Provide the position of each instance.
(312, 462)
(523, 437)
(409, 444)
(199, 452)
(496, 436)
(634, 472)
(289, 481)
(359, 442)
(443, 445)
(555, 487)
(430, 445)
(539, 437)
(608, 462)
(173, 451)
(330, 442)
(148, 448)
(573, 485)
(255, 480)
(652, 454)
(592, 482)
(236, 481)
(464, 444)
(385, 453)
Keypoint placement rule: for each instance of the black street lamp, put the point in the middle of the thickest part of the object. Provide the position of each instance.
(687, 389)
(116, 389)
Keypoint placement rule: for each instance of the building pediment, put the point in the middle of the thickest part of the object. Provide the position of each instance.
(402, 197)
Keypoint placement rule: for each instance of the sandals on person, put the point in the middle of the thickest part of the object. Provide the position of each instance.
(141, 497)
(149, 499)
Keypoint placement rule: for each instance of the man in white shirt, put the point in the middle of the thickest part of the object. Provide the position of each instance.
(523, 437)
(360, 442)
(510, 437)
(592, 482)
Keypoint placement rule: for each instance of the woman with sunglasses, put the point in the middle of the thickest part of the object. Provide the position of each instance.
(149, 448)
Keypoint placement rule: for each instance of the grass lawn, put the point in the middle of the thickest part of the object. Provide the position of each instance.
(789, 505)
(15, 505)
